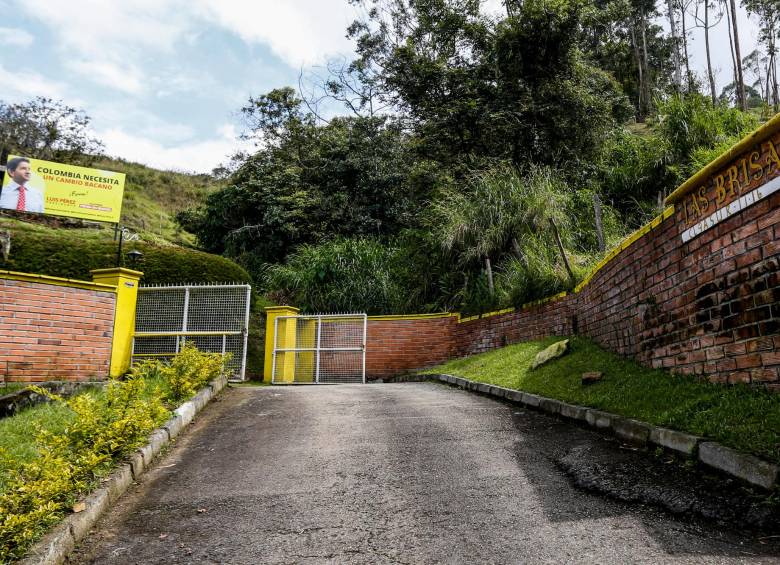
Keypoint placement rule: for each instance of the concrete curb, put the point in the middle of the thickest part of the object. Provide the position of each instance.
(54, 547)
(747, 468)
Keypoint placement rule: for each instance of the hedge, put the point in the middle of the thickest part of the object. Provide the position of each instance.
(67, 255)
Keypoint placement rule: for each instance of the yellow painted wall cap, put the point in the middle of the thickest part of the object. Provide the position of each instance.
(281, 308)
(58, 281)
(117, 271)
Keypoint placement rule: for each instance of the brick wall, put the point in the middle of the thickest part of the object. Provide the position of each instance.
(708, 306)
(399, 346)
(51, 332)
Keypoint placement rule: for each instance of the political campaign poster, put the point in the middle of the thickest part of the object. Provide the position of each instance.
(45, 187)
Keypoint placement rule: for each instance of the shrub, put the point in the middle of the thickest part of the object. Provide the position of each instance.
(66, 253)
(342, 275)
(106, 427)
(189, 371)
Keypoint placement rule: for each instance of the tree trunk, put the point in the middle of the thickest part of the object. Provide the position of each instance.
(563, 253)
(599, 227)
(518, 252)
(645, 61)
(688, 76)
(489, 272)
(773, 63)
(738, 59)
(640, 90)
(731, 48)
(710, 76)
(676, 43)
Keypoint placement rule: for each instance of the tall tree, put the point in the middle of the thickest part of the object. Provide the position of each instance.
(708, 21)
(621, 39)
(46, 129)
(767, 12)
(474, 89)
(671, 12)
(738, 78)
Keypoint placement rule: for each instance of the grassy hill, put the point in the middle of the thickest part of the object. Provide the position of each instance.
(151, 200)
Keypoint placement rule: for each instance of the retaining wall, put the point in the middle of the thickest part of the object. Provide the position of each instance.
(696, 291)
(54, 328)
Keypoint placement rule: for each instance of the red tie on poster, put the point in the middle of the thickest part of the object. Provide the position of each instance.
(21, 204)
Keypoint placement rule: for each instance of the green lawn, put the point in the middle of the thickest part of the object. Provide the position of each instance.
(738, 416)
(8, 388)
(17, 434)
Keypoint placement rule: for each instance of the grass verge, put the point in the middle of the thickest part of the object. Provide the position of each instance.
(8, 388)
(745, 418)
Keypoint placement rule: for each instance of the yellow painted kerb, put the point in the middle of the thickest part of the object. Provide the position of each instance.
(125, 281)
(56, 281)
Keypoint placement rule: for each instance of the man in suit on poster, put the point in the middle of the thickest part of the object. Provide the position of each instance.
(16, 195)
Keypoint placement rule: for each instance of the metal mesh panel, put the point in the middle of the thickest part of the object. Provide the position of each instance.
(216, 309)
(213, 317)
(326, 348)
(159, 309)
(341, 367)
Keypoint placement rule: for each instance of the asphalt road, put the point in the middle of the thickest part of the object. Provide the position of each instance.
(398, 473)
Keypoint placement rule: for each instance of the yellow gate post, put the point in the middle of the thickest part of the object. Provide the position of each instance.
(285, 361)
(126, 283)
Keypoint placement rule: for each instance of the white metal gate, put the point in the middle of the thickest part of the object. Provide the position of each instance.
(322, 348)
(215, 317)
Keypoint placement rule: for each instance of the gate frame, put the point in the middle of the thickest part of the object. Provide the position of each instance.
(317, 349)
(182, 335)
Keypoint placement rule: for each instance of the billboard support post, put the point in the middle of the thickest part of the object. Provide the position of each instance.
(119, 247)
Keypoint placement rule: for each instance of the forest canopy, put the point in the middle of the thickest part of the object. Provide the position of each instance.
(470, 160)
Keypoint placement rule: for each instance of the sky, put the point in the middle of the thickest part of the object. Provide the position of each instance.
(163, 80)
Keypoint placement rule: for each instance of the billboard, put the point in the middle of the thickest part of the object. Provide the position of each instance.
(44, 187)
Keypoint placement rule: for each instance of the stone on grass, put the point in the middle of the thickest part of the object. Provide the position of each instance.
(553, 352)
(592, 377)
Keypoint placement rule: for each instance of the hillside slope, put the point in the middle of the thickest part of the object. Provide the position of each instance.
(153, 197)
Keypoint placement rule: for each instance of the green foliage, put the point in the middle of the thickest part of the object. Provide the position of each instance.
(690, 123)
(152, 198)
(65, 455)
(189, 371)
(44, 128)
(102, 428)
(73, 253)
(636, 170)
(742, 417)
(351, 177)
(540, 274)
(511, 219)
(342, 275)
(474, 89)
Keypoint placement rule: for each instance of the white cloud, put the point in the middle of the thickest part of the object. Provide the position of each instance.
(20, 85)
(196, 156)
(14, 37)
(99, 27)
(125, 78)
(300, 32)
(108, 42)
